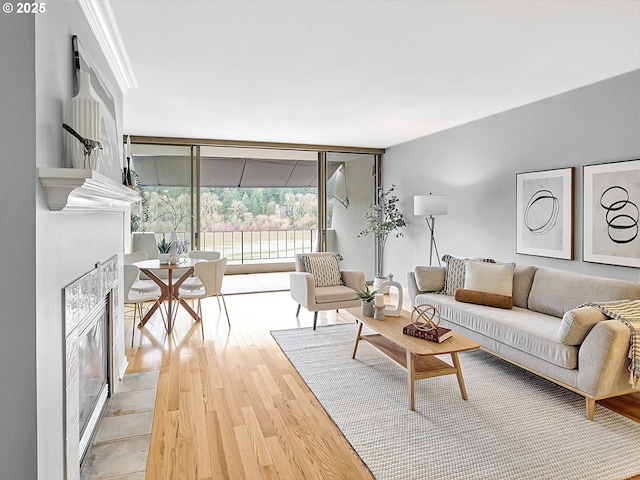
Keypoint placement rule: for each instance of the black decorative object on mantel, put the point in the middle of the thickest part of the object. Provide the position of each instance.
(89, 145)
(127, 178)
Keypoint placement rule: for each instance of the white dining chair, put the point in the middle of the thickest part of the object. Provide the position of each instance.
(140, 285)
(137, 298)
(193, 282)
(211, 274)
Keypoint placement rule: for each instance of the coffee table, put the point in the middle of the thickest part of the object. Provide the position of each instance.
(416, 355)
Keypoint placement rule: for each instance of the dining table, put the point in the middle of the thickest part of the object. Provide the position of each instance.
(169, 287)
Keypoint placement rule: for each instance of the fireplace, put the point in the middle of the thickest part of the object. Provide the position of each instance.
(90, 312)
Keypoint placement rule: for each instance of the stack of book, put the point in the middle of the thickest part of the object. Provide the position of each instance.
(438, 334)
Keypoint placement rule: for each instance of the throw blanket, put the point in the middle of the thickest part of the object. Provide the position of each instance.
(628, 312)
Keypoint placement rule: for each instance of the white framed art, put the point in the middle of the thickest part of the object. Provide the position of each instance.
(544, 213)
(611, 213)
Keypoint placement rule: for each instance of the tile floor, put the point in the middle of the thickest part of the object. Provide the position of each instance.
(120, 447)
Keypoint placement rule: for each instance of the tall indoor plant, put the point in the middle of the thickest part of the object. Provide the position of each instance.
(383, 220)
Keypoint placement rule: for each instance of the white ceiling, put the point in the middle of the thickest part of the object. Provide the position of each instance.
(359, 73)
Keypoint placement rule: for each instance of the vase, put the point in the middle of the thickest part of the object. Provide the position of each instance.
(173, 242)
(377, 285)
(83, 115)
(163, 257)
(368, 309)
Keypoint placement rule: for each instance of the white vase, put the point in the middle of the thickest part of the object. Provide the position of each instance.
(163, 257)
(377, 285)
(173, 241)
(83, 115)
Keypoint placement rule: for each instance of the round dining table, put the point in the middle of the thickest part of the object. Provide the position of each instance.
(169, 288)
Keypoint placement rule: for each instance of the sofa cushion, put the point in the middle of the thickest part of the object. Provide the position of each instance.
(489, 277)
(430, 279)
(324, 268)
(577, 323)
(555, 292)
(522, 280)
(530, 332)
(338, 293)
(484, 298)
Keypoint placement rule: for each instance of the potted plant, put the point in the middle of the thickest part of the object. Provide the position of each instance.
(367, 296)
(383, 220)
(164, 249)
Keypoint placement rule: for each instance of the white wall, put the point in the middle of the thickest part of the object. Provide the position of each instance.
(68, 244)
(18, 453)
(349, 222)
(476, 164)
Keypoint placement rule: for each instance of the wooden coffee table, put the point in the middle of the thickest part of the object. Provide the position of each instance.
(416, 355)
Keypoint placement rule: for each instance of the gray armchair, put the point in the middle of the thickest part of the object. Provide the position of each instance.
(315, 299)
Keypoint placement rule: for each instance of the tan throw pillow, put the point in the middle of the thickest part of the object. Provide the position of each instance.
(577, 323)
(484, 298)
(430, 279)
(324, 268)
(489, 277)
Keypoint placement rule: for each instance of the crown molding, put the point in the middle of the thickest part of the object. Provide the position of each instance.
(103, 24)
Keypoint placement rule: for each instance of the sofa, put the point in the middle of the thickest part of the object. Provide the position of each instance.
(536, 320)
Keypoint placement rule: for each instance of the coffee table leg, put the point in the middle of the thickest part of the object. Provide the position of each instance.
(410, 377)
(456, 363)
(355, 347)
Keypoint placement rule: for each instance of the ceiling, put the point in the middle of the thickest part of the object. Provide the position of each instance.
(359, 73)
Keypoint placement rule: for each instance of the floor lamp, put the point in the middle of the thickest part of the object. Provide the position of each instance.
(427, 206)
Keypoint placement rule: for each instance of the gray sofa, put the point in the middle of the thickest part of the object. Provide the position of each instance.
(544, 333)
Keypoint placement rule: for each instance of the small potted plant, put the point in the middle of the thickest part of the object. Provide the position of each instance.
(367, 296)
(164, 249)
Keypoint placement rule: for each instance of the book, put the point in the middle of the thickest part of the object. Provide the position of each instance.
(438, 335)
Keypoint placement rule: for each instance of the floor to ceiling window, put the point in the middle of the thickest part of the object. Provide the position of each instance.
(256, 205)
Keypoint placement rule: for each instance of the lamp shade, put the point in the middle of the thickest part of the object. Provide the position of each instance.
(424, 205)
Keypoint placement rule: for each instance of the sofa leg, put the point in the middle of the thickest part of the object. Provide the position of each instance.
(591, 406)
(298, 310)
(315, 319)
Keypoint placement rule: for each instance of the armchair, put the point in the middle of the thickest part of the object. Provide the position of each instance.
(325, 287)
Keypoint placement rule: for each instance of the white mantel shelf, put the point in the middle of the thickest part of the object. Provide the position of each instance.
(78, 189)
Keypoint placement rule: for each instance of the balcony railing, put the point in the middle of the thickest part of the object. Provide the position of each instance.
(255, 245)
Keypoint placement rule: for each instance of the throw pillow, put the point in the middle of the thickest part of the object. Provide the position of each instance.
(577, 323)
(430, 279)
(324, 268)
(454, 278)
(484, 298)
(489, 277)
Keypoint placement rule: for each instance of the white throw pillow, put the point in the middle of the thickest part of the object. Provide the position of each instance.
(489, 277)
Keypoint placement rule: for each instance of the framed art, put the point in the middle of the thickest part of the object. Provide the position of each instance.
(610, 209)
(544, 213)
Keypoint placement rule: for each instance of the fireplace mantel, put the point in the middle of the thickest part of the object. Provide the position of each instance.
(82, 189)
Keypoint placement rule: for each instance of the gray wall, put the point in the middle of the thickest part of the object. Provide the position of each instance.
(18, 451)
(476, 164)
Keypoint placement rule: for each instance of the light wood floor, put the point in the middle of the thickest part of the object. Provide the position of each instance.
(232, 406)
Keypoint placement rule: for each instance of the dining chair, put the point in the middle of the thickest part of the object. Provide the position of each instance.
(137, 298)
(140, 285)
(210, 273)
(193, 282)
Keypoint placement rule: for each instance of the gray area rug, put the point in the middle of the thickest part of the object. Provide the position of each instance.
(515, 425)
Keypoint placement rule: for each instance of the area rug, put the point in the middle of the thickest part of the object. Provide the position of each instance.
(515, 425)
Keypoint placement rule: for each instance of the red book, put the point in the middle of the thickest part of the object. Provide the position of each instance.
(438, 335)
